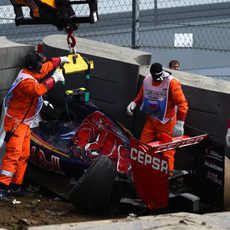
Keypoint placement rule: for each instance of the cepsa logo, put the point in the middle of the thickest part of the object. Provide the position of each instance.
(146, 159)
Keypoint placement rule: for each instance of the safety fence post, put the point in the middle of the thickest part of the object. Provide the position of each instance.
(135, 23)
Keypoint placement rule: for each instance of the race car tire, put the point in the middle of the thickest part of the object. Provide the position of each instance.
(93, 190)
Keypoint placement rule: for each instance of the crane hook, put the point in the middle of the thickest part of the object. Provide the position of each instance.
(71, 41)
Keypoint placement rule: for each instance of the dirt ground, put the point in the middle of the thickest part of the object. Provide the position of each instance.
(40, 207)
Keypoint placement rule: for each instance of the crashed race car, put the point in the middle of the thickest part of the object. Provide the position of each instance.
(84, 155)
(92, 161)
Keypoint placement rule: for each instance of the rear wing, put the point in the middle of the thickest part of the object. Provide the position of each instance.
(207, 163)
(177, 142)
(150, 169)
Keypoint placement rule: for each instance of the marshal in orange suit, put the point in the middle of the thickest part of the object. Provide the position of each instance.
(162, 99)
(22, 104)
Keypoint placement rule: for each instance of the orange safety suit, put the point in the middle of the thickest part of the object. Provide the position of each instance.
(154, 129)
(23, 101)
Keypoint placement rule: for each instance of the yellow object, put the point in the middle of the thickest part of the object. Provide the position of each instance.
(69, 92)
(49, 3)
(77, 64)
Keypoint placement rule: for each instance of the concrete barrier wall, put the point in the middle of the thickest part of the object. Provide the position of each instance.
(12, 57)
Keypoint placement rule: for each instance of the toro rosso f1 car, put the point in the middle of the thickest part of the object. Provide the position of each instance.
(91, 160)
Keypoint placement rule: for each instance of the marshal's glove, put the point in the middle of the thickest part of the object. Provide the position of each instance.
(64, 60)
(48, 104)
(58, 76)
(130, 108)
(178, 129)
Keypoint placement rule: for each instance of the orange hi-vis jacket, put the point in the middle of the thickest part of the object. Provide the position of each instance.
(24, 100)
(28, 89)
(175, 98)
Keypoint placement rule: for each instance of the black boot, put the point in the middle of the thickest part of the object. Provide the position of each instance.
(17, 190)
(3, 191)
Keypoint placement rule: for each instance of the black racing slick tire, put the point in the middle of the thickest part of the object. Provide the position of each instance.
(93, 190)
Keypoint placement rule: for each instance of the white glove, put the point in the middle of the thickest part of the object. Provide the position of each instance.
(47, 103)
(64, 59)
(132, 105)
(228, 138)
(58, 76)
(178, 129)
